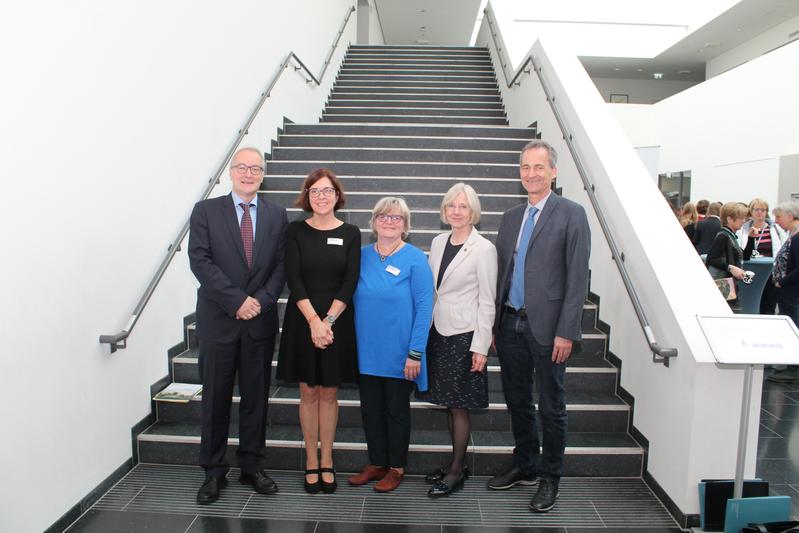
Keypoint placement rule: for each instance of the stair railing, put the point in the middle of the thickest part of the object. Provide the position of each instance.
(660, 354)
(118, 340)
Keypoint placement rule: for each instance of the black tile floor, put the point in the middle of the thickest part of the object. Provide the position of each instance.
(160, 498)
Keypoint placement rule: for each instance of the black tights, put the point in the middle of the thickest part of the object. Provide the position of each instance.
(459, 430)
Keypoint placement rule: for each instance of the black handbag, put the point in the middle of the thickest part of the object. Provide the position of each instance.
(772, 527)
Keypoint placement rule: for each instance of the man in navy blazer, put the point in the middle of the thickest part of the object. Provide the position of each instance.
(543, 247)
(236, 250)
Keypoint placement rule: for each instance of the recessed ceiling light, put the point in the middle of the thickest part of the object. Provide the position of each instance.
(657, 75)
(712, 44)
(639, 69)
(616, 69)
(684, 72)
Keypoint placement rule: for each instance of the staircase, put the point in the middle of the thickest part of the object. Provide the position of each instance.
(411, 121)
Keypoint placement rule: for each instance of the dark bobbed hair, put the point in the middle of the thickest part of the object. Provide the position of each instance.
(304, 200)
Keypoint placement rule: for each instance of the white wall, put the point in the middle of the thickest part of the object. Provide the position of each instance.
(640, 91)
(116, 113)
(759, 45)
(729, 131)
(788, 186)
(688, 411)
(375, 28)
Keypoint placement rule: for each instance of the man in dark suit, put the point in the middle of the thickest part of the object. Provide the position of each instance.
(543, 247)
(236, 250)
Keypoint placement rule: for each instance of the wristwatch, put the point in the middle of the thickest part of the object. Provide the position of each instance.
(330, 319)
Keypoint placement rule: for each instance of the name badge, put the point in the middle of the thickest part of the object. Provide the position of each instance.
(391, 269)
(336, 241)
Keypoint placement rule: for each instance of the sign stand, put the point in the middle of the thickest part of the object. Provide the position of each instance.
(750, 340)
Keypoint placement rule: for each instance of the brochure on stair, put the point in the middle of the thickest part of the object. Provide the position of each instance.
(179, 392)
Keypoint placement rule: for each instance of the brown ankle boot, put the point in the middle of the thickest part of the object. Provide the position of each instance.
(369, 473)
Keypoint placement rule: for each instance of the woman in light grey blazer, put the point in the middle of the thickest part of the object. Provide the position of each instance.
(464, 266)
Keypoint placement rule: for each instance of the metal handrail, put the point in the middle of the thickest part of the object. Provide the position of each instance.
(119, 340)
(659, 353)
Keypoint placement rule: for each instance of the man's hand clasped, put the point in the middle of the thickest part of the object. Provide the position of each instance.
(250, 309)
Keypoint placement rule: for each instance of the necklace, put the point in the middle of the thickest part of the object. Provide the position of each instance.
(382, 255)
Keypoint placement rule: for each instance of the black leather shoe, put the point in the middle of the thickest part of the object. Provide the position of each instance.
(438, 474)
(209, 492)
(328, 488)
(545, 497)
(511, 478)
(262, 483)
(442, 488)
(312, 488)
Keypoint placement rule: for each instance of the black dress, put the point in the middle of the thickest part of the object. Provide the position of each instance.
(451, 382)
(321, 265)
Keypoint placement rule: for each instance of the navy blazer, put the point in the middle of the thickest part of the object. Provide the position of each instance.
(216, 256)
(555, 270)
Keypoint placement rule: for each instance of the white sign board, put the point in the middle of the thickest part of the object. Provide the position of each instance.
(752, 339)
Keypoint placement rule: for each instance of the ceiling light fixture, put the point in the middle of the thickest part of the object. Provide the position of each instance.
(658, 75)
(684, 72)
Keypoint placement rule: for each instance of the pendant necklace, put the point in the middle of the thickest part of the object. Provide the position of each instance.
(382, 256)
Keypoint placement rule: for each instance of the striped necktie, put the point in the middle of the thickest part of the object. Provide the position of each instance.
(246, 233)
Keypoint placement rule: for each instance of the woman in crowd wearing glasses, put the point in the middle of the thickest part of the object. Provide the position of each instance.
(768, 239)
(464, 265)
(393, 309)
(317, 344)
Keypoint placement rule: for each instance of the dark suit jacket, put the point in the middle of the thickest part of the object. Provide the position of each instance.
(555, 271)
(216, 256)
(705, 233)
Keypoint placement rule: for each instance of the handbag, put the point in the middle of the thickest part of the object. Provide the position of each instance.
(727, 288)
(772, 527)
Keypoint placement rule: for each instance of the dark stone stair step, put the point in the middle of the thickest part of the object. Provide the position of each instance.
(347, 67)
(440, 143)
(390, 97)
(447, 130)
(418, 104)
(416, 78)
(441, 91)
(393, 154)
(415, 200)
(383, 168)
(410, 119)
(436, 111)
(392, 186)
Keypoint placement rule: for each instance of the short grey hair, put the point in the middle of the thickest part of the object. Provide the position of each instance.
(248, 149)
(788, 208)
(471, 200)
(538, 143)
(388, 204)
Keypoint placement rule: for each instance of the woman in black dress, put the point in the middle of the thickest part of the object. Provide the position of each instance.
(464, 265)
(317, 344)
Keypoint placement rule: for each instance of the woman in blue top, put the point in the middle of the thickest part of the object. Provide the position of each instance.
(393, 312)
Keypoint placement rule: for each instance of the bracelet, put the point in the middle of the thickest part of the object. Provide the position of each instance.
(413, 355)
(330, 319)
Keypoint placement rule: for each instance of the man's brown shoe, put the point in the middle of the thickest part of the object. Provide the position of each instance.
(369, 473)
(390, 481)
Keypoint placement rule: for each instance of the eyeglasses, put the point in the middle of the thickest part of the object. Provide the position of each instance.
(252, 169)
(389, 218)
(325, 191)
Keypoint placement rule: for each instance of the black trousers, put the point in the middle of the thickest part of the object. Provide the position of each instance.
(219, 363)
(386, 414)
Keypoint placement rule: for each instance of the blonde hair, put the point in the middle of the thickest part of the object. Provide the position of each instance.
(733, 210)
(471, 200)
(388, 204)
(688, 215)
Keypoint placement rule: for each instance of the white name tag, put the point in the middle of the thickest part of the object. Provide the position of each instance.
(336, 241)
(391, 269)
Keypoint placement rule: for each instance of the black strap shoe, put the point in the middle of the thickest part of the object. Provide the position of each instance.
(261, 482)
(209, 492)
(545, 497)
(511, 478)
(438, 474)
(312, 488)
(328, 488)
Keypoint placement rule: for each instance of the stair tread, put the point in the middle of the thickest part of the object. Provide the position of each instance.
(419, 437)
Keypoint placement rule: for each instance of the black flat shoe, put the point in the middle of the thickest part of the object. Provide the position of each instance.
(438, 474)
(312, 488)
(442, 488)
(328, 488)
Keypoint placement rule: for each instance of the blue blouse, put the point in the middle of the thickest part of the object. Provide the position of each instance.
(393, 311)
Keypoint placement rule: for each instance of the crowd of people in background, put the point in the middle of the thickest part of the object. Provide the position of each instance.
(726, 235)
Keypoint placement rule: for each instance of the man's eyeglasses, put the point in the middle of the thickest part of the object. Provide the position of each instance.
(325, 191)
(252, 169)
(389, 218)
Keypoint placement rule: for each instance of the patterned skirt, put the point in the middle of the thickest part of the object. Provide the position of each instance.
(450, 382)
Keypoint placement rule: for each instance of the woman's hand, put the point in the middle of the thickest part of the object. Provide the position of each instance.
(737, 273)
(478, 362)
(412, 369)
(321, 333)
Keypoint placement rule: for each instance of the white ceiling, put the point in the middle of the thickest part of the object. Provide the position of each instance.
(437, 22)
(450, 22)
